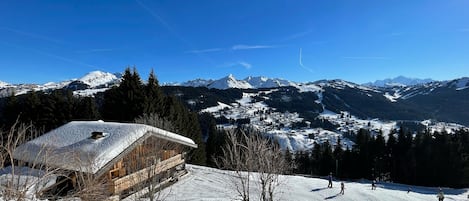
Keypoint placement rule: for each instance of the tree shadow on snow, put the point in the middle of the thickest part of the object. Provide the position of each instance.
(420, 189)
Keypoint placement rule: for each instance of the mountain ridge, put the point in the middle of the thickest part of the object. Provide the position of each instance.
(98, 81)
(399, 81)
(97, 78)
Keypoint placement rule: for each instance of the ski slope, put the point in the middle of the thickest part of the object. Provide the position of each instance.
(209, 184)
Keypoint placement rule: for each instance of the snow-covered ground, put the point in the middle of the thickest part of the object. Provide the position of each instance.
(203, 183)
(210, 184)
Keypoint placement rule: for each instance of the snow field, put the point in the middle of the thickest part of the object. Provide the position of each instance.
(203, 183)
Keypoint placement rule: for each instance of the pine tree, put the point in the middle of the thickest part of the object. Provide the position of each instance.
(153, 102)
(11, 111)
(215, 138)
(303, 162)
(327, 159)
(198, 156)
(316, 155)
(85, 109)
(425, 170)
(347, 165)
(338, 154)
(362, 147)
(379, 156)
(125, 103)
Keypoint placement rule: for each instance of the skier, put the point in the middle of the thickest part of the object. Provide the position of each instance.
(373, 185)
(330, 180)
(440, 195)
(342, 187)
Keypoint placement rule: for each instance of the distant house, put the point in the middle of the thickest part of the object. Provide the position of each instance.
(124, 155)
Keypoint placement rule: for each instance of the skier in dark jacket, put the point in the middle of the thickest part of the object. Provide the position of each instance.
(342, 187)
(440, 195)
(373, 185)
(330, 180)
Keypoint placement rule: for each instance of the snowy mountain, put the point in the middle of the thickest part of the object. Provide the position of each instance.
(229, 82)
(197, 83)
(98, 78)
(3, 84)
(88, 85)
(264, 82)
(459, 84)
(398, 81)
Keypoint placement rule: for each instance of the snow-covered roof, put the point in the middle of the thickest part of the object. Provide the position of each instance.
(70, 146)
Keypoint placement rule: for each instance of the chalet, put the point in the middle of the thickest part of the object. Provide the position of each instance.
(123, 155)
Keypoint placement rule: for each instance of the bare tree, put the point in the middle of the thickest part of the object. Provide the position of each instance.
(155, 120)
(237, 156)
(87, 186)
(271, 164)
(21, 180)
(33, 179)
(246, 154)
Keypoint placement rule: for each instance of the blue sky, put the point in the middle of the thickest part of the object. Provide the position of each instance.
(355, 40)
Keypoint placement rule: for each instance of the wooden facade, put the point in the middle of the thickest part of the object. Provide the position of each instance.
(147, 160)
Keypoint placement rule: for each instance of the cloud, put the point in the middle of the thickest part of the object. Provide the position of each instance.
(237, 64)
(245, 64)
(366, 58)
(248, 47)
(96, 50)
(205, 50)
(234, 47)
(297, 35)
(318, 42)
(396, 34)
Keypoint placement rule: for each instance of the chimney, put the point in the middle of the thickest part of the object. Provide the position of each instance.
(96, 135)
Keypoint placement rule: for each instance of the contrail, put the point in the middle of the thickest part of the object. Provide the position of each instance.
(154, 14)
(31, 35)
(37, 51)
(300, 61)
(301, 58)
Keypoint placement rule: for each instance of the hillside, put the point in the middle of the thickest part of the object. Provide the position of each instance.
(443, 101)
(204, 183)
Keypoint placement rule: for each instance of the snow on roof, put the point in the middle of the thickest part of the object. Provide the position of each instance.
(70, 146)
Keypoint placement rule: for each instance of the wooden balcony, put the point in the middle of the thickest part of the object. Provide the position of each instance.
(118, 185)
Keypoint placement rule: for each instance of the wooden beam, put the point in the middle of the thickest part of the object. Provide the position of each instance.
(124, 183)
